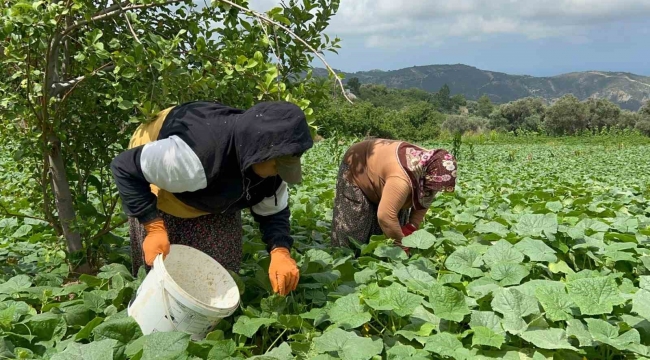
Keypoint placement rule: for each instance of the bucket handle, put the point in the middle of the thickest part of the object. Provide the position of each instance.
(165, 294)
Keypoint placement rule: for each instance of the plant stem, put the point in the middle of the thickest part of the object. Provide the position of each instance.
(276, 340)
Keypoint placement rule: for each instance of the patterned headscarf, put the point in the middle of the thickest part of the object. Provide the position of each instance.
(430, 172)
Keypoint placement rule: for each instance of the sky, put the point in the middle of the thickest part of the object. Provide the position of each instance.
(525, 37)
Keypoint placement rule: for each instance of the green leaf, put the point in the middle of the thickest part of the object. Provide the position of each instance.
(444, 344)
(514, 305)
(502, 252)
(248, 327)
(536, 250)
(422, 314)
(465, 261)
(99, 350)
(578, 330)
(395, 298)
(560, 267)
(606, 333)
(91, 281)
(124, 330)
(486, 319)
(390, 252)
(448, 303)
(327, 277)
(125, 105)
(492, 227)
(8, 316)
(641, 303)
(222, 349)
(420, 239)
(482, 287)
(365, 276)
(536, 225)
(86, 331)
(454, 237)
(94, 302)
(16, 284)
(554, 206)
(22, 231)
(348, 312)
(400, 351)
(508, 273)
(347, 344)
(46, 326)
(165, 345)
(486, 336)
(551, 339)
(592, 224)
(595, 296)
(320, 257)
(414, 278)
(556, 302)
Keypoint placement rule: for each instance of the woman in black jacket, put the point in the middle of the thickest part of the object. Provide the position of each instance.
(188, 174)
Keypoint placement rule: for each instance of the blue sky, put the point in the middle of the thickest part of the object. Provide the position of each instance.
(533, 37)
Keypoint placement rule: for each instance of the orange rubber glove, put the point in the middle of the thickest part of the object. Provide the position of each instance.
(156, 242)
(283, 271)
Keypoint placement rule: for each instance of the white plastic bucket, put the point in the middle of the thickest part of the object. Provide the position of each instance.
(189, 291)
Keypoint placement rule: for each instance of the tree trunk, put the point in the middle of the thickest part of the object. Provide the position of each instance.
(63, 196)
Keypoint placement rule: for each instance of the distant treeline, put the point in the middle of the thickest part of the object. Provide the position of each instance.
(419, 115)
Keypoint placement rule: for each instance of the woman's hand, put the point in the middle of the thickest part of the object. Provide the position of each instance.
(407, 230)
(283, 271)
(156, 242)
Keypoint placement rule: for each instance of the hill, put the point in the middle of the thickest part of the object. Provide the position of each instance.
(629, 91)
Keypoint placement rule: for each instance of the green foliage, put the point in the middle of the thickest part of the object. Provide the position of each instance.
(525, 114)
(417, 121)
(643, 126)
(603, 114)
(78, 77)
(484, 107)
(567, 116)
(516, 264)
(462, 124)
(354, 85)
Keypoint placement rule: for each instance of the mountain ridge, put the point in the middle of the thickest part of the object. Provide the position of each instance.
(630, 91)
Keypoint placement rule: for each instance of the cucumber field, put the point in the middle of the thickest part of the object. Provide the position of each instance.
(543, 252)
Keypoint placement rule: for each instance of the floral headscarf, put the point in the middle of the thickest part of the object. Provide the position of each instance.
(430, 172)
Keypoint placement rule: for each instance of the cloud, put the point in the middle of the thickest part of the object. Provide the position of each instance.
(393, 23)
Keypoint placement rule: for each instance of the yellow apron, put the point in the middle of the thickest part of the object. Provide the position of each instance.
(167, 202)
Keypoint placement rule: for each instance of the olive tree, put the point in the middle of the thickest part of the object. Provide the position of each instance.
(567, 116)
(603, 114)
(79, 75)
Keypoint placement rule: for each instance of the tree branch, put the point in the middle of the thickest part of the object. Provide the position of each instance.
(128, 22)
(266, 19)
(45, 180)
(108, 229)
(8, 213)
(114, 11)
(58, 88)
(107, 226)
(29, 87)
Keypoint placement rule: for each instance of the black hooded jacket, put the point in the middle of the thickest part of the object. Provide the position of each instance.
(203, 155)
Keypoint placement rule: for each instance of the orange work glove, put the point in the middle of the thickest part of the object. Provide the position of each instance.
(156, 242)
(283, 271)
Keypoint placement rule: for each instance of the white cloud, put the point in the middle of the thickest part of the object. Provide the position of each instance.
(382, 23)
